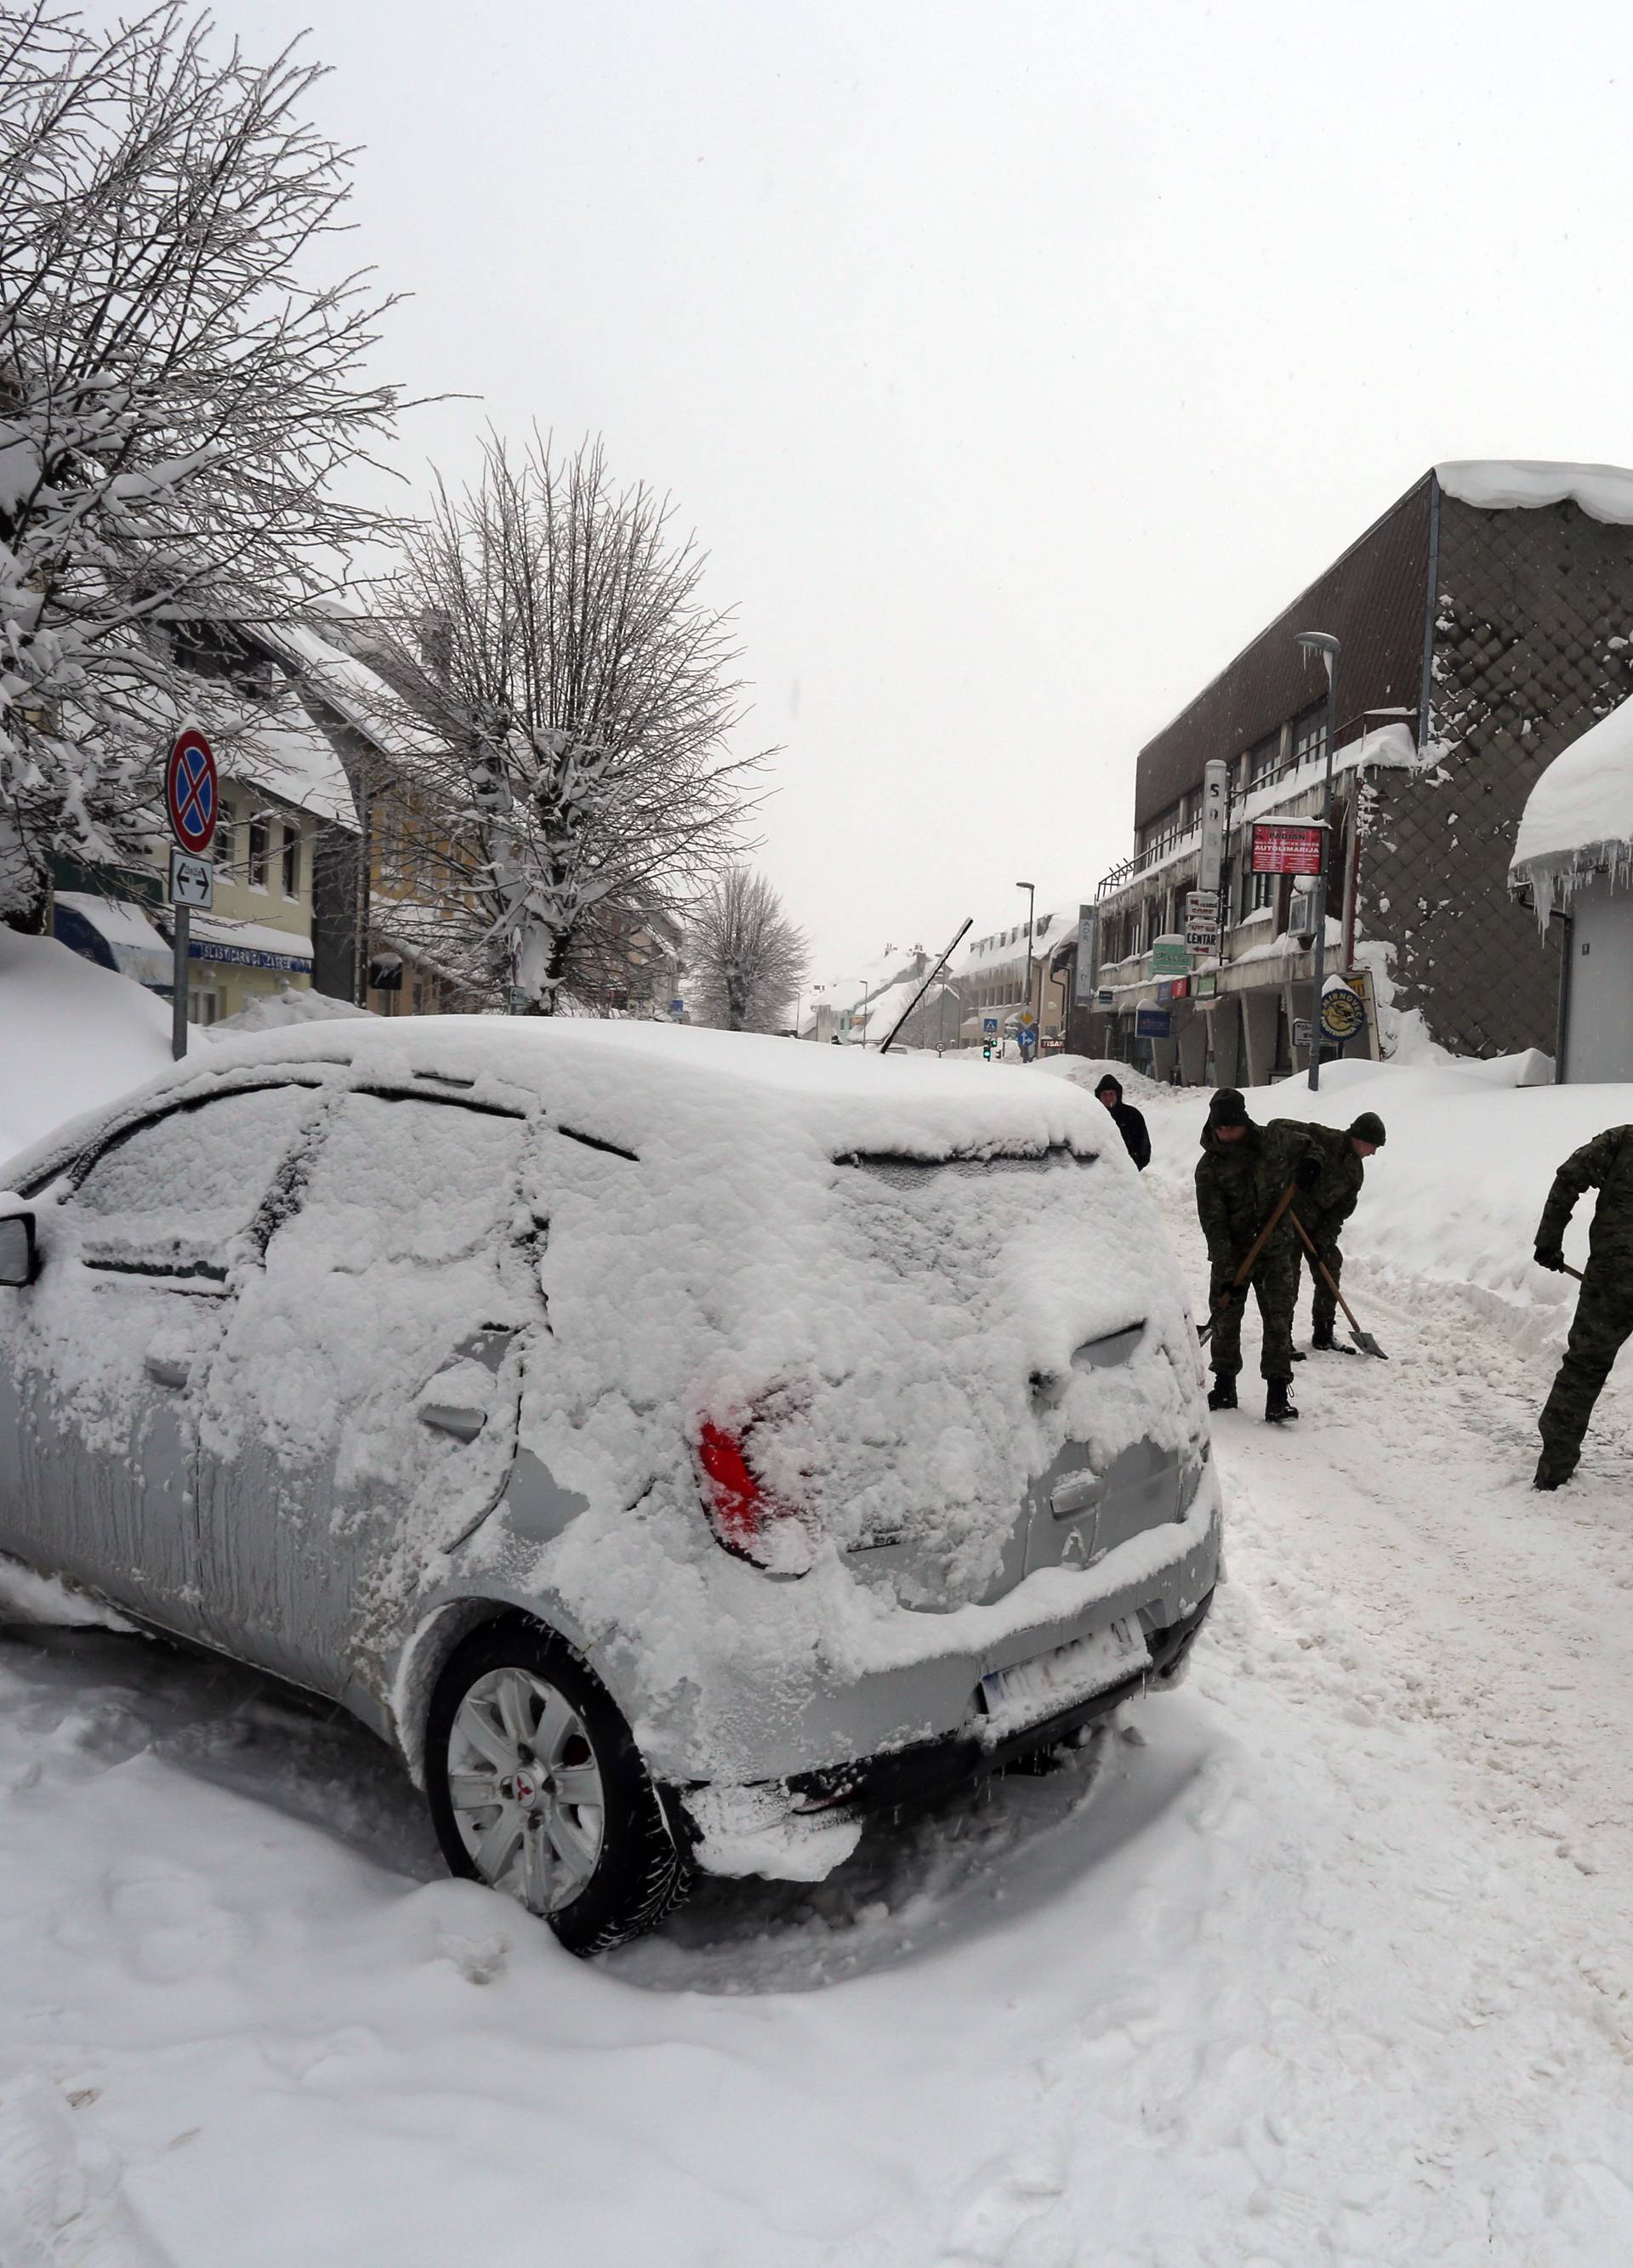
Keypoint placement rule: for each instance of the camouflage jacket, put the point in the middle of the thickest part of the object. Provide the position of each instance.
(1238, 1184)
(1324, 1209)
(1605, 1164)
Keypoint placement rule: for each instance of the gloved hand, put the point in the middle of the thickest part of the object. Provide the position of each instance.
(1551, 1256)
(1227, 1295)
(1309, 1173)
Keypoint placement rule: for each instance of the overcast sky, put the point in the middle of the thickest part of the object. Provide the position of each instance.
(1015, 364)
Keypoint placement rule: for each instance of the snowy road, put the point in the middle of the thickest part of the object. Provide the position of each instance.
(1326, 1959)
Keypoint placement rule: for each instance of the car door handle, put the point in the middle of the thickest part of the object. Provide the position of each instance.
(166, 1372)
(464, 1425)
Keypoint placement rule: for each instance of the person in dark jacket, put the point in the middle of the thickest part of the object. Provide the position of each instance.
(1241, 1178)
(1130, 1122)
(1324, 1210)
(1603, 1321)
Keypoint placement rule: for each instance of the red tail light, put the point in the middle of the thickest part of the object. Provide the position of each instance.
(746, 1520)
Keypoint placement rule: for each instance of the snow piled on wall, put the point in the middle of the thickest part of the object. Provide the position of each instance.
(1504, 484)
(1579, 817)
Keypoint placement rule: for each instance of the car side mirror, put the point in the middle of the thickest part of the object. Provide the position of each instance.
(20, 1258)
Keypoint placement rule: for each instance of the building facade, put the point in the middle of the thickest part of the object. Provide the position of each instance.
(1481, 622)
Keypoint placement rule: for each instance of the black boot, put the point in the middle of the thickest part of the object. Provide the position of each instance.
(1324, 1342)
(1223, 1394)
(1278, 1406)
(1552, 1472)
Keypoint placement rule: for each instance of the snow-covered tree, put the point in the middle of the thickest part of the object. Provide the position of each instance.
(747, 961)
(550, 629)
(178, 396)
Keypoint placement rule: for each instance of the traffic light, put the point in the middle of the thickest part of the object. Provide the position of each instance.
(987, 1051)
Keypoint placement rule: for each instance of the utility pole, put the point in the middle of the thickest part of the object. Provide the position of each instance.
(1323, 643)
(1031, 900)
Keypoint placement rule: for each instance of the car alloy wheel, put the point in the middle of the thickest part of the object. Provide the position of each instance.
(538, 1788)
(525, 1789)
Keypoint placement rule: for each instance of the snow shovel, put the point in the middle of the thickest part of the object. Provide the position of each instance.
(1253, 1251)
(1364, 1340)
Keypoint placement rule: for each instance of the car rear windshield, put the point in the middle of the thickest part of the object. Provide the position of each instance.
(909, 1173)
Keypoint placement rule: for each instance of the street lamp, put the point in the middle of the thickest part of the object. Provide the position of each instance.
(1031, 900)
(1323, 643)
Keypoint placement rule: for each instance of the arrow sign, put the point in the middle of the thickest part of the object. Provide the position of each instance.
(192, 880)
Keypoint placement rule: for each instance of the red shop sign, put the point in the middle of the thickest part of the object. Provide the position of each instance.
(1282, 849)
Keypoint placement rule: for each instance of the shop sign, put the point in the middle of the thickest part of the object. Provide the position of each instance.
(1343, 1014)
(1283, 847)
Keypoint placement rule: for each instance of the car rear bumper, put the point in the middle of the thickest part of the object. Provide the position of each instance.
(801, 1827)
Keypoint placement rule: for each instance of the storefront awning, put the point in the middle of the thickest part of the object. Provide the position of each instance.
(116, 934)
(249, 944)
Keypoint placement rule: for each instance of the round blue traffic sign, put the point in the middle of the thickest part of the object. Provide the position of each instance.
(190, 791)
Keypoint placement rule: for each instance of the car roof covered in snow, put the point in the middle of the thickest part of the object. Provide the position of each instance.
(632, 1083)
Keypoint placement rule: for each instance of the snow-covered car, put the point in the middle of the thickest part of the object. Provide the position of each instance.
(675, 1443)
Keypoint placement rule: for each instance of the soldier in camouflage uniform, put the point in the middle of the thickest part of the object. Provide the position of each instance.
(1324, 1209)
(1241, 1176)
(1604, 1316)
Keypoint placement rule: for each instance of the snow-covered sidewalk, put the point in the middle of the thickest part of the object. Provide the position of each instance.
(1326, 1958)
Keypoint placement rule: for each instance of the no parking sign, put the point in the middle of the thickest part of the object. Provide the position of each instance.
(191, 796)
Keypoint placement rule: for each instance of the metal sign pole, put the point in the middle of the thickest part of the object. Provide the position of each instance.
(1327, 646)
(183, 923)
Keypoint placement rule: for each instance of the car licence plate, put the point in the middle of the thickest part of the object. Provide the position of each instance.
(1068, 1673)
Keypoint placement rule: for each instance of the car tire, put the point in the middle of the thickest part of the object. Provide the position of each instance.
(536, 1788)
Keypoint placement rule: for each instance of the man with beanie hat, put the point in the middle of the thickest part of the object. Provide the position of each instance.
(1240, 1177)
(1323, 1210)
(1603, 1321)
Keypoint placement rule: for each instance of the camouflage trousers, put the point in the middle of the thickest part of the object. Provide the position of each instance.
(1323, 1303)
(1602, 1325)
(1275, 1285)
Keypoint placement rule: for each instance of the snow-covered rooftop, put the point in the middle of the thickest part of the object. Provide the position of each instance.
(1580, 812)
(1503, 484)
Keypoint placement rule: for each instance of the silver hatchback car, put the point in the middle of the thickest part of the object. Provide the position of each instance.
(676, 1444)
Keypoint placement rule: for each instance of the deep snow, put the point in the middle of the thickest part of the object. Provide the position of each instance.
(72, 1036)
(1325, 1958)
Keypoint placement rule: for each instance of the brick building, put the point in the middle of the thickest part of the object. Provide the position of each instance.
(1483, 621)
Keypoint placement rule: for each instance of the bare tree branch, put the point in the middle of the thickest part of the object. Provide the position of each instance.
(581, 695)
(177, 401)
(748, 960)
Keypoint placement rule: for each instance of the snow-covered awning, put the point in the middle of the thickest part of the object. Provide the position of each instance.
(249, 944)
(114, 932)
(1579, 818)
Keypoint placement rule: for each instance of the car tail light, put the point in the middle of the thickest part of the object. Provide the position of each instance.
(747, 1520)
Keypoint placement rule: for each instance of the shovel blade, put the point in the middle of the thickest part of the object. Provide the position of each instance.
(1367, 1344)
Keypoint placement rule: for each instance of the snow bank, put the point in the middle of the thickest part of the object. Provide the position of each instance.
(1087, 1071)
(1503, 484)
(72, 1037)
(1453, 1199)
(273, 1012)
(1580, 815)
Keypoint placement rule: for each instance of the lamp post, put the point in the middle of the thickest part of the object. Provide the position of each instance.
(1323, 643)
(1031, 900)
